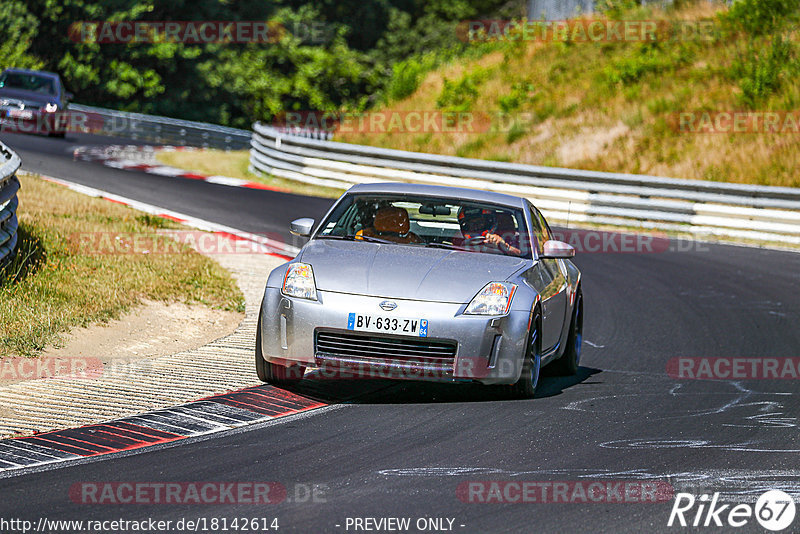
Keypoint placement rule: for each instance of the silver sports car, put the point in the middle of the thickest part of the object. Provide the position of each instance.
(426, 283)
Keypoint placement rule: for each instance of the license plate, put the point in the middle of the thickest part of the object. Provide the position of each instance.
(403, 326)
(20, 113)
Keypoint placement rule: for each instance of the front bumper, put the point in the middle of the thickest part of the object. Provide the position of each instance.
(488, 349)
(39, 122)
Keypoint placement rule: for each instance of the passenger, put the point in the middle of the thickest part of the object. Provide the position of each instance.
(391, 224)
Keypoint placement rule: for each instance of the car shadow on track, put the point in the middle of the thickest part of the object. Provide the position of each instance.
(379, 391)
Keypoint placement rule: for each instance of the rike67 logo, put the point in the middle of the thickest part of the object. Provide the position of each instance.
(774, 510)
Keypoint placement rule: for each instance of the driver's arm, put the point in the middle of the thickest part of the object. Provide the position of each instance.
(502, 245)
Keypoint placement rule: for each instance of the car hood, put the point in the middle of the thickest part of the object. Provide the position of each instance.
(404, 272)
(27, 96)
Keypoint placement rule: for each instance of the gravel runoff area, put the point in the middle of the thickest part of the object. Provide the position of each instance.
(124, 387)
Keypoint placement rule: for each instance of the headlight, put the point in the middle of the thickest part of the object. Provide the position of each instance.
(299, 282)
(493, 299)
(51, 108)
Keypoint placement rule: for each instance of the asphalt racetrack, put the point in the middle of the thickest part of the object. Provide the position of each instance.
(434, 453)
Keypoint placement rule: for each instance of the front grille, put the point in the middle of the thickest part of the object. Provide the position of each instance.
(33, 107)
(11, 103)
(381, 349)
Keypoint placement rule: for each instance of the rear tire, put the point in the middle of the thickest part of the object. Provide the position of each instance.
(525, 387)
(273, 373)
(567, 365)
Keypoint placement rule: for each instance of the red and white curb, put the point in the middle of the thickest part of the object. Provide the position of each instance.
(143, 158)
(265, 244)
(206, 416)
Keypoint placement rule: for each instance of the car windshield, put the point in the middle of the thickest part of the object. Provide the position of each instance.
(28, 82)
(429, 222)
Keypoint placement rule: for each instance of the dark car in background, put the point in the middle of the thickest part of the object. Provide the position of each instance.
(33, 101)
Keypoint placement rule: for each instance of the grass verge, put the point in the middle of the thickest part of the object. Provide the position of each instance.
(234, 163)
(55, 283)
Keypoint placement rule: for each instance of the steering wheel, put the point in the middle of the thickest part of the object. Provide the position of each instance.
(472, 241)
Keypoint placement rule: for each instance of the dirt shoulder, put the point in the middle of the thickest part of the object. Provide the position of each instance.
(150, 330)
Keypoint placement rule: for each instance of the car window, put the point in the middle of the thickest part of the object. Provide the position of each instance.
(548, 234)
(28, 82)
(540, 232)
(429, 221)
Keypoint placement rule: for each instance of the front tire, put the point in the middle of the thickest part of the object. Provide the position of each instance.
(567, 365)
(273, 373)
(525, 387)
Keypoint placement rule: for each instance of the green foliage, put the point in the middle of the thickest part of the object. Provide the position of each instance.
(457, 96)
(419, 39)
(519, 94)
(407, 75)
(153, 221)
(336, 54)
(517, 131)
(769, 57)
(460, 95)
(17, 28)
(761, 71)
(661, 105)
(469, 148)
(616, 8)
(761, 17)
(645, 59)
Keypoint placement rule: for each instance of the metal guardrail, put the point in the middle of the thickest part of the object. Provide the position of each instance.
(9, 185)
(155, 129)
(761, 213)
(564, 9)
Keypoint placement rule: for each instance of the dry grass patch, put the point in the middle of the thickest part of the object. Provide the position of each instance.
(56, 283)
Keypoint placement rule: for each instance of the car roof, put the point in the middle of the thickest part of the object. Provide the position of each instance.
(34, 72)
(459, 193)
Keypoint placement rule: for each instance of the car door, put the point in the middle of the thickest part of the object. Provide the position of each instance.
(553, 283)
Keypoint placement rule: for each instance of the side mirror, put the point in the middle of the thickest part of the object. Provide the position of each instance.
(558, 250)
(302, 227)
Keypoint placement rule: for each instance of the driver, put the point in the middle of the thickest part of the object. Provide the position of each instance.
(479, 223)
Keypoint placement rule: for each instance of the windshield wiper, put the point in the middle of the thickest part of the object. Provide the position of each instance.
(358, 238)
(342, 237)
(435, 244)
